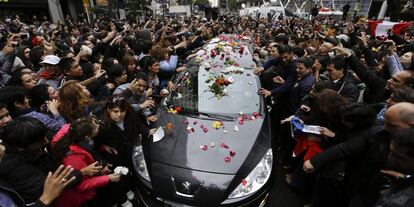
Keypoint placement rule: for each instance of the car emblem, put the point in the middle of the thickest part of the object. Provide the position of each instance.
(186, 189)
(187, 186)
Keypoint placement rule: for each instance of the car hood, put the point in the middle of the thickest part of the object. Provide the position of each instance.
(181, 148)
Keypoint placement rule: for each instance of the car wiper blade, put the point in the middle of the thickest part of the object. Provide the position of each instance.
(217, 116)
(203, 115)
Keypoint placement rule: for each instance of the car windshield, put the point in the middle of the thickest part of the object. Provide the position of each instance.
(218, 84)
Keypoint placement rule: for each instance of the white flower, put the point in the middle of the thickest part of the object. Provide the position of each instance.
(206, 65)
(230, 79)
(179, 96)
(233, 69)
(120, 170)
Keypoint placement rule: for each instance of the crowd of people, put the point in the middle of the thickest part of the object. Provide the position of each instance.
(75, 97)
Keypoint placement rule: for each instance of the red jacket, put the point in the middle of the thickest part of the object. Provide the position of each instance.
(78, 195)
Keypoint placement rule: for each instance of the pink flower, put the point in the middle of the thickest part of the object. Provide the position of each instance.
(232, 153)
(224, 146)
(244, 182)
(227, 159)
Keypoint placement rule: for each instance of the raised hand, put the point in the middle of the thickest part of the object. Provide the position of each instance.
(55, 183)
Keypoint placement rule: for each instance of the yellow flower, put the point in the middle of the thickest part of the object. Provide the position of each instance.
(216, 125)
(172, 111)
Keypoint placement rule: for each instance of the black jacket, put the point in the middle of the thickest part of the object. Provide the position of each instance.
(122, 140)
(375, 91)
(400, 194)
(17, 199)
(366, 155)
(346, 87)
(300, 89)
(25, 177)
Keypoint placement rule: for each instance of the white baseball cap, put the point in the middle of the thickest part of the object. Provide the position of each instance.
(51, 60)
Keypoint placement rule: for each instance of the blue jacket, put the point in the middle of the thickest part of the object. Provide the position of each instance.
(300, 89)
(170, 65)
(289, 75)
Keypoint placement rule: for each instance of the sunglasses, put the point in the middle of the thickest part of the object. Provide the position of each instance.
(116, 99)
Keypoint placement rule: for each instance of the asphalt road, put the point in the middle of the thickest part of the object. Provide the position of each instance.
(281, 195)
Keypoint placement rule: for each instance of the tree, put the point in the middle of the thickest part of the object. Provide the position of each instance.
(202, 2)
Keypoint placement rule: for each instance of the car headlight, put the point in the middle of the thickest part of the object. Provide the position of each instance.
(139, 163)
(256, 179)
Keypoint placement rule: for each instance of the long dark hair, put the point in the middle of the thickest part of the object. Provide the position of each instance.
(131, 121)
(21, 55)
(78, 131)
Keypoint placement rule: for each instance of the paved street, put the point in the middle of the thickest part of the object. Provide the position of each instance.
(281, 195)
